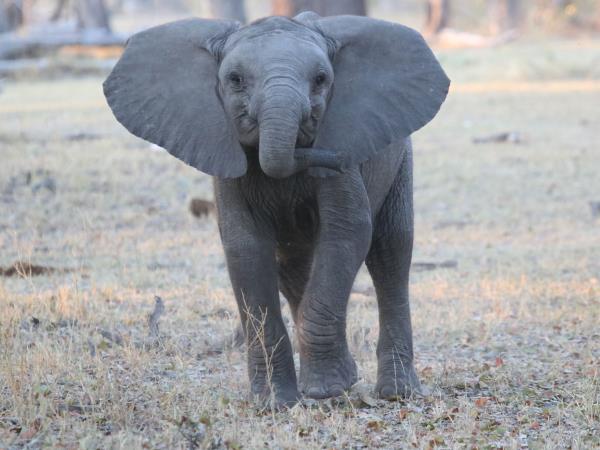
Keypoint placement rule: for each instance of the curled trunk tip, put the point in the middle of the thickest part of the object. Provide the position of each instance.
(318, 157)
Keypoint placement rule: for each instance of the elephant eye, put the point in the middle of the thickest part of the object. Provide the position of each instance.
(235, 79)
(320, 79)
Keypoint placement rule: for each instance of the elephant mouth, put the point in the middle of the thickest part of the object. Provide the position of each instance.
(307, 156)
(305, 138)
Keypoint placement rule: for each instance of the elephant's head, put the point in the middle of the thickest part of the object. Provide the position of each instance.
(308, 92)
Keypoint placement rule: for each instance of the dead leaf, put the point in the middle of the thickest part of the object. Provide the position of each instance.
(436, 441)
(426, 372)
(403, 413)
(374, 425)
(32, 430)
(481, 401)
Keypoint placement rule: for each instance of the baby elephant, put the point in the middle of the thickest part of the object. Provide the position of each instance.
(304, 124)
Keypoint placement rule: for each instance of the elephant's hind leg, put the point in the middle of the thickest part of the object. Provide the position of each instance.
(389, 262)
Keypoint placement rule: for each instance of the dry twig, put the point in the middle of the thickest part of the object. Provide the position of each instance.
(159, 309)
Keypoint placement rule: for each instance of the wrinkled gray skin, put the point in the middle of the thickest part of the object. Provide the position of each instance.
(305, 124)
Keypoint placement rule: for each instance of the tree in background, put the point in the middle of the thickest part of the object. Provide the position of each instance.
(321, 7)
(556, 14)
(92, 15)
(228, 9)
(91, 27)
(437, 16)
(504, 15)
(11, 15)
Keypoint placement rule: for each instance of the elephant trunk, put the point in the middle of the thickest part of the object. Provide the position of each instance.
(279, 120)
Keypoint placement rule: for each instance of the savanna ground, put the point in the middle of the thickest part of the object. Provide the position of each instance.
(507, 337)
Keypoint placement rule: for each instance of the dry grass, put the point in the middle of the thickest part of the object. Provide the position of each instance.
(507, 342)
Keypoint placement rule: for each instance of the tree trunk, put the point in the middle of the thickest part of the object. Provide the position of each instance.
(438, 16)
(228, 9)
(92, 15)
(58, 10)
(11, 15)
(321, 7)
(504, 15)
(560, 5)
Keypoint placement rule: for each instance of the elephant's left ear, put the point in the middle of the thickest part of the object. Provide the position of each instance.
(387, 84)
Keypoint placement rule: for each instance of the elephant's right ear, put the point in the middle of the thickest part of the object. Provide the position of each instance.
(164, 90)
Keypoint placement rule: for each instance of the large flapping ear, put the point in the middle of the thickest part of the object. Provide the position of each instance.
(387, 84)
(164, 90)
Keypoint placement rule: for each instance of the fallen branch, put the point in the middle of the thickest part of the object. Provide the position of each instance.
(39, 40)
(422, 266)
(25, 269)
(451, 38)
(514, 137)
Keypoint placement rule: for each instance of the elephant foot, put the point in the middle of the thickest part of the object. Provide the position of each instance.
(279, 398)
(327, 377)
(396, 381)
(278, 393)
(273, 384)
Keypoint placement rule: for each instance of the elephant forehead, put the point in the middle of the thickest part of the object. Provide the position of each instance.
(276, 30)
(273, 50)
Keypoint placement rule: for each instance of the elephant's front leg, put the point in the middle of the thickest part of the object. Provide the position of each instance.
(250, 254)
(326, 366)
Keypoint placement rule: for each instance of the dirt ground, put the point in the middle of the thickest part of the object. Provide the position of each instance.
(505, 287)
